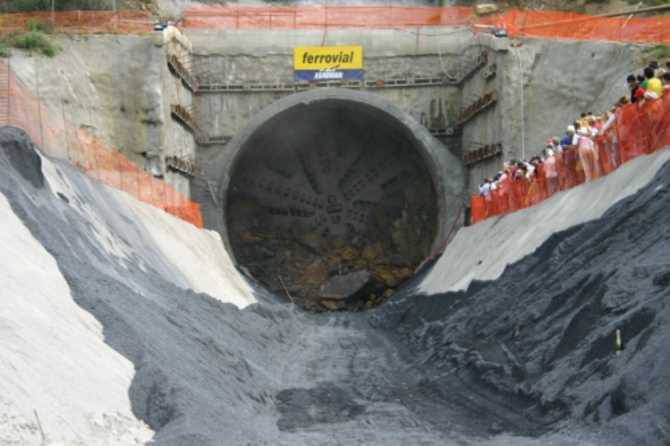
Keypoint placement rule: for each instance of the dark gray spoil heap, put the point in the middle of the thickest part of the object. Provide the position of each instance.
(529, 354)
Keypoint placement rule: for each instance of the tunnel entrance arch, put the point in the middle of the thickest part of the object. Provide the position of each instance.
(333, 197)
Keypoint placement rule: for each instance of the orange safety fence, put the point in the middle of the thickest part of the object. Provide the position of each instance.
(61, 139)
(319, 16)
(639, 129)
(517, 22)
(122, 21)
(568, 25)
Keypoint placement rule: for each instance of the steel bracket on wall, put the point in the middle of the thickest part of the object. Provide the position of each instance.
(184, 116)
(178, 69)
(484, 102)
(214, 140)
(184, 166)
(454, 77)
(446, 131)
(483, 153)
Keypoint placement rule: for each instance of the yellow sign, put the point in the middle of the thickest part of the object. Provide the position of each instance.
(328, 58)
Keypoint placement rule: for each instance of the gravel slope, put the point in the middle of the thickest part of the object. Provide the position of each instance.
(526, 359)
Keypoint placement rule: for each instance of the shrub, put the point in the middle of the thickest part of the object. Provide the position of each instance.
(60, 5)
(25, 5)
(35, 41)
(37, 25)
(657, 52)
(4, 49)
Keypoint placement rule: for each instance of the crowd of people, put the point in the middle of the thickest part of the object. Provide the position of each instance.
(574, 158)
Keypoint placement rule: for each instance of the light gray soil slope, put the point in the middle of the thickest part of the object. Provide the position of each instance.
(523, 360)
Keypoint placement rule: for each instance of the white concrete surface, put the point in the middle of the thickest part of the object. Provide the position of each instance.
(482, 251)
(55, 364)
(198, 254)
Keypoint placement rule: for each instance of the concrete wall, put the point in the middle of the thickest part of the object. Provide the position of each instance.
(243, 56)
(119, 88)
(542, 87)
(487, 127)
(239, 57)
(108, 84)
(225, 114)
(176, 140)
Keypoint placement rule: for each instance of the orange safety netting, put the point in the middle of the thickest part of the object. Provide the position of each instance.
(567, 25)
(317, 17)
(640, 129)
(517, 23)
(59, 138)
(123, 21)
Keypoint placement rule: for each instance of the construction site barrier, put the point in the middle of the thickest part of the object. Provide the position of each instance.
(516, 22)
(59, 138)
(639, 129)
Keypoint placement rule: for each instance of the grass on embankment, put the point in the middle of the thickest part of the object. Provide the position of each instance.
(35, 39)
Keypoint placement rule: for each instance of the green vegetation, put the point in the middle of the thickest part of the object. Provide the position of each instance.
(34, 39)
(25, 5)
(4, 50)
(649, 2)
(656, 52)
(60, 5)
(39, 26)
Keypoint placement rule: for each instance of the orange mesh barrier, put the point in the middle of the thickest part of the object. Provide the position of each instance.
(640, 129)
(81, 21)
(631, 132)
(477, 209)
(567, 25)
(660, 126)
(59, 138)
(536, 189)
(317, 17)
(608, 155)
(500, 200)
(560, 169)
(520, 192)
(512, 200)
(569, 167)
(518, 23)
(505, 189)
(651, 113)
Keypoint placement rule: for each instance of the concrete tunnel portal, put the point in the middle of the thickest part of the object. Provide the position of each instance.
(332, 200)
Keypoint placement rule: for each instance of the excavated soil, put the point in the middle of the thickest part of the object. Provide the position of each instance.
(527, 359)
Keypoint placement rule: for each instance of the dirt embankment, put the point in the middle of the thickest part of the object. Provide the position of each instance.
(528, 359)
(542, 338)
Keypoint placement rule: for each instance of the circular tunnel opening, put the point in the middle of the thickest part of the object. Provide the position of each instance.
(331, 204)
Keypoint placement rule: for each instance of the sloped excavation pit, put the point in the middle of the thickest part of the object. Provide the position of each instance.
(332, 204)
